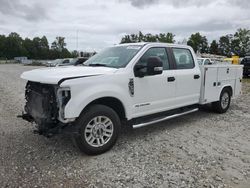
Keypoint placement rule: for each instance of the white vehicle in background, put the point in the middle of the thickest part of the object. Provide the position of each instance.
(67, 62)
(57, 62)
(72, 62)
(131, 84)
(205, 61)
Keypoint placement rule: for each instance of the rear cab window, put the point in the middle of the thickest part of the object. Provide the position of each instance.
(183, 58)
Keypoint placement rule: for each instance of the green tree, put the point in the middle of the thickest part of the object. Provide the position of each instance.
(2, 46)
(134, 38)
(74, 54)
(225, 45)
(241, 42)
(44, 47)
(235, 47)
(126, 39)
(58, 44)
(28, 45)
(58, 49)
(38, 48)
(198, 43)
(214, 48)
(14, 46)
(65, 53)
(140, 37)
(150, 38)
(168, 37)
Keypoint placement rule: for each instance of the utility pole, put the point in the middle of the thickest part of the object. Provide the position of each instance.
(77, 41)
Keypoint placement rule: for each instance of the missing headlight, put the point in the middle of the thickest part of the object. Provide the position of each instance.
(63, 97)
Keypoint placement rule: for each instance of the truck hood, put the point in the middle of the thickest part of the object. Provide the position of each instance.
(54, 75)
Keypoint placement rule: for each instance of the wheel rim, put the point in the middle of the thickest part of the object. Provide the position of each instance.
(225, 100)
(98, 131)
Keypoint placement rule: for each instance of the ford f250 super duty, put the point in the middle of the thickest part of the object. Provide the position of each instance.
(130, 84)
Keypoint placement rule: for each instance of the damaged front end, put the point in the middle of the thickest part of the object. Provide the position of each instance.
(45, 106)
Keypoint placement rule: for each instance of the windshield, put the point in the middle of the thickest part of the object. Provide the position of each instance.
(116, 57)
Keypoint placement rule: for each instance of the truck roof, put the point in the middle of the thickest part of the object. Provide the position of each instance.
(154, 44)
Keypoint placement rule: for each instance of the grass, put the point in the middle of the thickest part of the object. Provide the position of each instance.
(246, 80)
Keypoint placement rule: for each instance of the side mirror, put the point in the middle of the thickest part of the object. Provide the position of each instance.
(140, 70)
(154, 66)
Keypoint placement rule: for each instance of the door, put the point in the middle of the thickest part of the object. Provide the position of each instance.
(154, 94)
(188, 78)
(211, 89)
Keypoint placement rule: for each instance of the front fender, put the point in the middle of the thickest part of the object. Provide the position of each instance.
(80, 98)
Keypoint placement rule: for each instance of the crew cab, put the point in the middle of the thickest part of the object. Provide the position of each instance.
(133, 84)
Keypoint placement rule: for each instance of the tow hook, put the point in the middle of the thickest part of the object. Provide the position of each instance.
(26, 117)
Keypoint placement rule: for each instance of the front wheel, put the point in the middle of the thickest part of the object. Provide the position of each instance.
(223, 104)
(99, 127)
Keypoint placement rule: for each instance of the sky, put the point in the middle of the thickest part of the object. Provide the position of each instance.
(99, 24)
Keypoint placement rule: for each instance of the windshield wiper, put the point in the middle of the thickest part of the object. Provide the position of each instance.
(97, 65)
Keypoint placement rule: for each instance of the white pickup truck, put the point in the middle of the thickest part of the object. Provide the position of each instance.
(130, 84)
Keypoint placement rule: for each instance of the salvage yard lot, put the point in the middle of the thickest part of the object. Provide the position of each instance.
(200, 149)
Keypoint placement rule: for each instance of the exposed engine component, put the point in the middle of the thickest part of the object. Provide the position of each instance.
(41, 105)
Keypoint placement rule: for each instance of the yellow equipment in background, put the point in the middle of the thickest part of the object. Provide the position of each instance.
(236, 59)
(233, 60)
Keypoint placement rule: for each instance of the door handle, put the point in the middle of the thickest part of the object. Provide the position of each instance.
(171, 79)
(197, 76)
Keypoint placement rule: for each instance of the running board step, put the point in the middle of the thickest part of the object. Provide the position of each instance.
(164, 118)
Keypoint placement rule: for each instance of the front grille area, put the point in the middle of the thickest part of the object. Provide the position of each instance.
(41, 103)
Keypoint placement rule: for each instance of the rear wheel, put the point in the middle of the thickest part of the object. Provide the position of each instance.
(99, 127)
(223, 104)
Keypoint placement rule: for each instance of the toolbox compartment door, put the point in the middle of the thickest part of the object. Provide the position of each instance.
(238, 81)
(210, 90)
(226, 73)
(215, 78)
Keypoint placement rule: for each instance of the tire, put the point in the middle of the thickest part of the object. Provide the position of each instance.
(223, 104)
(98, 129)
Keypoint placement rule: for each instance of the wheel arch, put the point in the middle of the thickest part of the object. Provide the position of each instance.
(113, 96)
(111, 102)
(229, 88)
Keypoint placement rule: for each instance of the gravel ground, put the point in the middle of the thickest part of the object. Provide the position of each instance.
(202, 149)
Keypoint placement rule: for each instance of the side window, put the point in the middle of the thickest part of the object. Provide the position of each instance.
(183, 58)
(155, 52)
